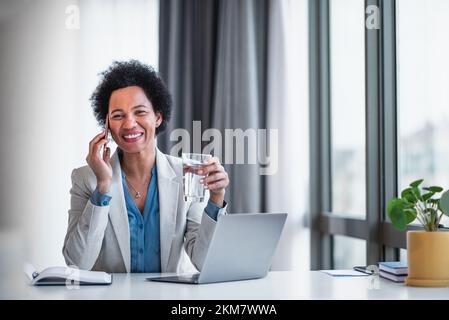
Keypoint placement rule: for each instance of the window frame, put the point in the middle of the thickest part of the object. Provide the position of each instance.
(382, 239)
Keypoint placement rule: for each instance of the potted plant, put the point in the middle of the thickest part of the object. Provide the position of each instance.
(427, 250)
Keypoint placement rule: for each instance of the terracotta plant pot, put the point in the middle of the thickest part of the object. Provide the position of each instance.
(428, 259)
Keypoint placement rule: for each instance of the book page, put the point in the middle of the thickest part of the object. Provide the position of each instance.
(64, 273)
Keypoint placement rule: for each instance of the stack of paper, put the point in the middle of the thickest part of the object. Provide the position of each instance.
(344, 273)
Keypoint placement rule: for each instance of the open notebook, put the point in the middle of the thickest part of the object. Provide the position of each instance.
(66, 276)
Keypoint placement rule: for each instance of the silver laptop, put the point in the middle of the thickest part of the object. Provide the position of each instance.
(241, 248)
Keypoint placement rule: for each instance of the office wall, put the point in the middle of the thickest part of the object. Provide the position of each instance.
(48, 72)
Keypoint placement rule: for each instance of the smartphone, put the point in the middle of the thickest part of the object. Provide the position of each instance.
(363, 269)
(106, 131)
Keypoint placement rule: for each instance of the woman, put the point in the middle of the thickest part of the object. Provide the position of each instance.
(128, 212)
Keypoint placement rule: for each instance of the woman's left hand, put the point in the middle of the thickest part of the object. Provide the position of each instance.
(216, 180)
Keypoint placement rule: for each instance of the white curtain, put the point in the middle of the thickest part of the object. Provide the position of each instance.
(110, 30)
(287, 107)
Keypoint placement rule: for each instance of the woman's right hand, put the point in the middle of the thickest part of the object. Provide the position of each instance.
(100, 163)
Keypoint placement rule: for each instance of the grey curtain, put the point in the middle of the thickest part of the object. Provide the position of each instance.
(213, 58)
(187, 49)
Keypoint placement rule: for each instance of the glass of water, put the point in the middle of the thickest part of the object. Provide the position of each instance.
(194, 190)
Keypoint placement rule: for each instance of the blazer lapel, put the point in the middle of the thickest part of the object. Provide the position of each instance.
(168, 189)
(118, 213)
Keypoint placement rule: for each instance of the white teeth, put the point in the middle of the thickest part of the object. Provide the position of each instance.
(132, 136)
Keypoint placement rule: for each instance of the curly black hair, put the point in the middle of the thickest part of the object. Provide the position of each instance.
(122, 74)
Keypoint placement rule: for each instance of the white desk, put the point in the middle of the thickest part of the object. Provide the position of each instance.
(277, 285)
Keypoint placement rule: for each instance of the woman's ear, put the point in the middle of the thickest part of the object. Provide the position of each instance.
(158, 119)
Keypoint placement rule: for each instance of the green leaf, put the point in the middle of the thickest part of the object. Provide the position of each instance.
(434, 189)
(407, 205)
(427, 196)
(416, 183)
(417, 193)
(395, 210)
(410, 215)
(444, 203)
(408, 195)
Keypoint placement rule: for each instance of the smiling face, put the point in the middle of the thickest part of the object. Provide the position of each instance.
(132, 119)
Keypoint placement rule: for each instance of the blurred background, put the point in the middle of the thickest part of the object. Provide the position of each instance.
(229, 64)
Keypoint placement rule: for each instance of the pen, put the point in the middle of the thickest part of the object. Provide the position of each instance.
(362, 269)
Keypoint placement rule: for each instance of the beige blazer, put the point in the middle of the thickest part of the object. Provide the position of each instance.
(98, 236)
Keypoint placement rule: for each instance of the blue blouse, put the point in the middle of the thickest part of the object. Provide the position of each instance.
(144, 229)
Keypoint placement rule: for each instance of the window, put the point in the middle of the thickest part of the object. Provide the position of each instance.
(348, 252)
(347, 82)
(403, 255)
(423, 95)
(354, 133)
